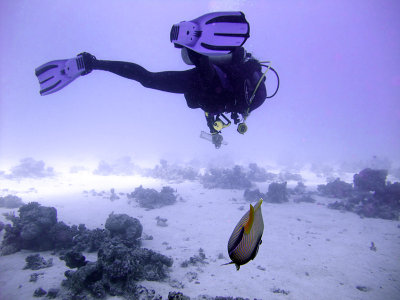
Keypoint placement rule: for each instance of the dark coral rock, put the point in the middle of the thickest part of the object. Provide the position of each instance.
(366, 205)
(253, 195)
(230, 298)
(117, 271)
(384, 204)
(370, 180)
(352, 203)
(88, 240)
(98, 289)
(336, 189)
(30, 232)
(36, 262)
(74, 259)
(172, 172)
(226, 179)
(36, 222)
(52, 293)
(373, 247)
(162, 222)
(39, 293)
(191, 276)
(386, 212)
(124, 227)
(277, 193)
(299, 189)
(62, 235)
(82, 279)
(305, 198)
(37, 229)
(119, 261)
(31, 168)
(339, 205)
(204, 297)
(11, 242)
(114, 260)
(167, 195)
(367, 209)
(147, 198)
(177, 296)
(142, 293)
(363, 288)
(150, 198)
(195, 260)
(257, 174)
(42, 215)
(9, 249)
(31, 229)
(11, 201)
(280, 291)
(390, 195)
(113, 196)
(1, 226)
(34, 277)
(10, 216)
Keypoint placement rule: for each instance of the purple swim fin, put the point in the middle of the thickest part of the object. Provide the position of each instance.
(56, 74)
(216, 33)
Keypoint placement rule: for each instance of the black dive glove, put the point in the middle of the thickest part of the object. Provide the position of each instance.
(217, 140)
(88, 61)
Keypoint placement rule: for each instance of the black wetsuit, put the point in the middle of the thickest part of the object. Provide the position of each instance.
(201, 85)
(214, 89)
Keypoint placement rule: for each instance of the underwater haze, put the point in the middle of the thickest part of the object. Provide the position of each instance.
(107, 190)
(338, 63)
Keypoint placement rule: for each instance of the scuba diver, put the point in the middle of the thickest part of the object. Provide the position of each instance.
(225, 79)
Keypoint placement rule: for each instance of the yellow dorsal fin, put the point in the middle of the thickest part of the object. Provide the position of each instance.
(249, 223)
(258, 205)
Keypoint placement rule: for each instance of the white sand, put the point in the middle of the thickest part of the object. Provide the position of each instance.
(308, 250)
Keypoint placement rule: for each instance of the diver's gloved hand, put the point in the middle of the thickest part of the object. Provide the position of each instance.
(88, 61)
(217, 140)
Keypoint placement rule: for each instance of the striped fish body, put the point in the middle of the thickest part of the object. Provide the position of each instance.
(242, 245)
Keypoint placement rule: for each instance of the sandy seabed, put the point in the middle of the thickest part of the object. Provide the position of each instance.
(308, 252)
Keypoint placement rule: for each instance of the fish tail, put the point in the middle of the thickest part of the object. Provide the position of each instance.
(229, 263)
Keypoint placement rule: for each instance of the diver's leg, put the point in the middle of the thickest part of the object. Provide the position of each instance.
(203, 64)
(168, 81)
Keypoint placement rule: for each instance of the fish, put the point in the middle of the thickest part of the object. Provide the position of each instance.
(245, 239)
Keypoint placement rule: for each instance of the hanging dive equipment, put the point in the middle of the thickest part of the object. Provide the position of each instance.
(221, 121)
(208, 137)
(242, 127)
(219, 124)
